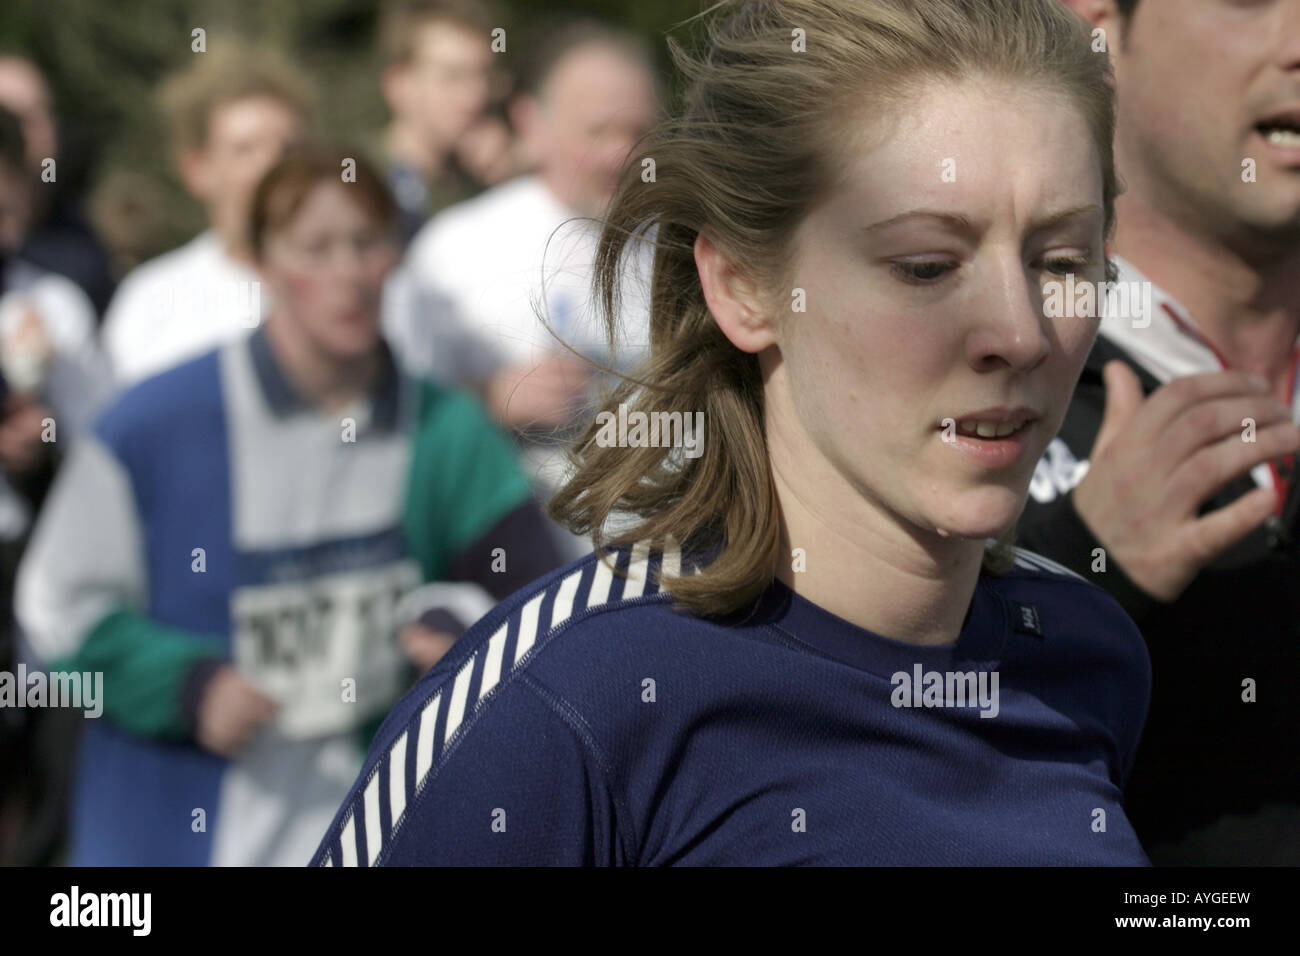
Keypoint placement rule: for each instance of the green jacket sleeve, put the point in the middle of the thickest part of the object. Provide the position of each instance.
(80, 590)
(145, 666)
(465, 477)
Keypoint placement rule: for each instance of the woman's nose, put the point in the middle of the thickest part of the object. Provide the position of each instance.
(1009, 326)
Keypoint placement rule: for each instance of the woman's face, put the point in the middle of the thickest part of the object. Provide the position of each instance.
(326, 271)
(923, 275)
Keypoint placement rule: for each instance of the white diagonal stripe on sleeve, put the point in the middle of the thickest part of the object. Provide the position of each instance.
(671, 565)
(634, 586)
(459, 694)
(492, 664)
(1030, 566)
(424, 743)
(374, 831)
(1035, 560)
(348, 839)
(329, 859)
(397, 779)
(600, 583)
(563, 605)
(528, 627)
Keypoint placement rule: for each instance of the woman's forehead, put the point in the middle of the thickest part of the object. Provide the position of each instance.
(959, 143)
(328, 203)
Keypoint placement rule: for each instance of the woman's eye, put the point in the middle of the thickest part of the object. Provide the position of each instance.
(1064, 265)
(921, 273)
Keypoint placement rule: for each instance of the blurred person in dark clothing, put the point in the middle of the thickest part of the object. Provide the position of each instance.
(1156, 488)
(51, 380)
(59, 238)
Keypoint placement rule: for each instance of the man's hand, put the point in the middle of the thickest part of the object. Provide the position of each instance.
(424, 646)
(20, 434)
(231, 713)
(1156, 461)
(547, 394)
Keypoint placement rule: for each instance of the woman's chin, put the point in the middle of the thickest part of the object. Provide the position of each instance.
(352, 343)
(978, 514)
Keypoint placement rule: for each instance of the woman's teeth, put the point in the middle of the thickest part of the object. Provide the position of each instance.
(978, 429)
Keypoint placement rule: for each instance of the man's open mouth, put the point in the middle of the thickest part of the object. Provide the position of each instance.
(1282, 130)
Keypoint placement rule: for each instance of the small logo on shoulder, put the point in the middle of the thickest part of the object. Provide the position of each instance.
(1026, 619)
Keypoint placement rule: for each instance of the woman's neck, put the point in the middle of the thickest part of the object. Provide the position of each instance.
(861, 565)
(328, 383)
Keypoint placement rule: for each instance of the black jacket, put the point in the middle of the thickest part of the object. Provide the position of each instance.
(1216, 779)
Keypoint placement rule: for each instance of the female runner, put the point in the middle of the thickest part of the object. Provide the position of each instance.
(809, 641)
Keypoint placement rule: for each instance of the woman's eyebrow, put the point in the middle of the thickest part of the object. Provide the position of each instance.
(1055, 219)
(953, 221)
(961, 224)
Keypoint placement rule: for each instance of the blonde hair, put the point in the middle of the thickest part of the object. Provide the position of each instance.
(753, 150)
(227, 73)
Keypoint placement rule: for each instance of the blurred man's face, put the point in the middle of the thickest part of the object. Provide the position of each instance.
(445, 88)
(245, 139)
(1205, 85)
(23, 92)
(596, 106)
(15, 206)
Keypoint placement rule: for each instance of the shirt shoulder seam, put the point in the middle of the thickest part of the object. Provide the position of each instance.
(567, 713)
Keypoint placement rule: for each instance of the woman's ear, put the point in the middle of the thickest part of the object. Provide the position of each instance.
(734, 299)
(1103, 14)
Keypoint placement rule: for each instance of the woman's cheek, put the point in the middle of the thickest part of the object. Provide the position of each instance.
(375, 279)
(382, 265)
(1076, 336)
(304, 286)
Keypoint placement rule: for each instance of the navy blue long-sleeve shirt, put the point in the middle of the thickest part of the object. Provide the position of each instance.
(585, 721)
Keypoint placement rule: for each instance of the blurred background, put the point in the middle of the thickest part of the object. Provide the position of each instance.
(137, 142)
(103, 63)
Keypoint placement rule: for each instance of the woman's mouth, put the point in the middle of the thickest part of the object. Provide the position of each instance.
(975, 428)
(997, 440)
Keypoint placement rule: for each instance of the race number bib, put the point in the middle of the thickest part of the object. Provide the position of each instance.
(302, 642)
